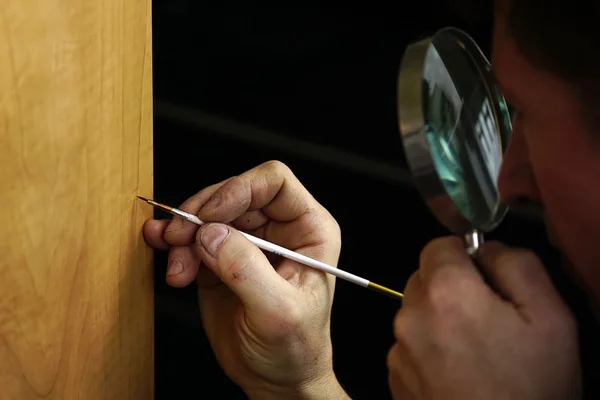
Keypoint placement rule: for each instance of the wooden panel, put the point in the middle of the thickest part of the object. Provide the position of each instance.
(76, 295)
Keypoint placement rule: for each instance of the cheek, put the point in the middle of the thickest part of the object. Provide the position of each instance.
(565, 171)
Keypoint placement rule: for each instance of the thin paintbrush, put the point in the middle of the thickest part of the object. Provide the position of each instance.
(283, 252)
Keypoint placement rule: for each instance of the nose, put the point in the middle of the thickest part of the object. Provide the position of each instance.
(517, 183)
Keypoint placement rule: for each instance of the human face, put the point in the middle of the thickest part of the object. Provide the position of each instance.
(552, 159)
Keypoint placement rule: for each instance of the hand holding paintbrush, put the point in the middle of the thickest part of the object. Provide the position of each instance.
(283, 252)
(268, 323)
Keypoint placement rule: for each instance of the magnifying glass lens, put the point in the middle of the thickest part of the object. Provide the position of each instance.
(466, 124)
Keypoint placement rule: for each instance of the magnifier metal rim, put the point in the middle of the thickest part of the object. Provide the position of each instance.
(412, 124)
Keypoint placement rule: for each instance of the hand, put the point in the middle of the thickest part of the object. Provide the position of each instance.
(456, 338)
(267, 319)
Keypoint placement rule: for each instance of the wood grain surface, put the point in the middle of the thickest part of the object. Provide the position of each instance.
(76, 295)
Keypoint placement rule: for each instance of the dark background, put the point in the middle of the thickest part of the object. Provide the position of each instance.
(314, 88)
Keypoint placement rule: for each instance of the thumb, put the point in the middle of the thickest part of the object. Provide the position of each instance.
(241, 266)
(518, 275)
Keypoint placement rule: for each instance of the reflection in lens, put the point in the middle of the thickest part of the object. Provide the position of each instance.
(454, 124)
(443, 106)
(440, 131)
(462, 128)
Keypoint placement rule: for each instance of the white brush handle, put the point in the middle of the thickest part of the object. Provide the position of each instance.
(283, 252)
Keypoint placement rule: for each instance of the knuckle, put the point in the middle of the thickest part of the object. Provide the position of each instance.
(233, 189)
(234, 181)
(413, 283)
(318, 227)
(231, 200)
(332, 225)
(440, 289)
(437, 248)
(402, 326)
(323, 221)
(336, 236)
(391, 358)
(276, 167)
(432, 246)
(322, 232)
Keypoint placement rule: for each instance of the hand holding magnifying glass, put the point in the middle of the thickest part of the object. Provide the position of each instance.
(478, 320)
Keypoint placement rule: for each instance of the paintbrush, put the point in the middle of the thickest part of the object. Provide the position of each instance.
(283, 252)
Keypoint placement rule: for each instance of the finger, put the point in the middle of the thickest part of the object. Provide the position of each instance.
(446, 256)
(400, 377)
(408, 348)
(412, 290)
(518, 275)
(183, 266)
(250, 220)
(316, 235)
(153, 231)
(270, 187)
(243, 267)
(181, 232)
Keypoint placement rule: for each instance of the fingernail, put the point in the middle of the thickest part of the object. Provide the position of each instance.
(175, 267)
(212, 237)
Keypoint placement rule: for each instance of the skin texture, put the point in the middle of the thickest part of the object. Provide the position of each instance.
(507, 336)
(518, 341)
(269, 327)
(549, 134)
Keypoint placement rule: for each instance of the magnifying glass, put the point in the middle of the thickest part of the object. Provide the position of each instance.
(455, 126)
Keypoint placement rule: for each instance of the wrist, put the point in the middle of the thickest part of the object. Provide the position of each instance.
(325, 388)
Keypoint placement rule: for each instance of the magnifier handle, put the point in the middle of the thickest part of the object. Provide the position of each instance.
(473, 242)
